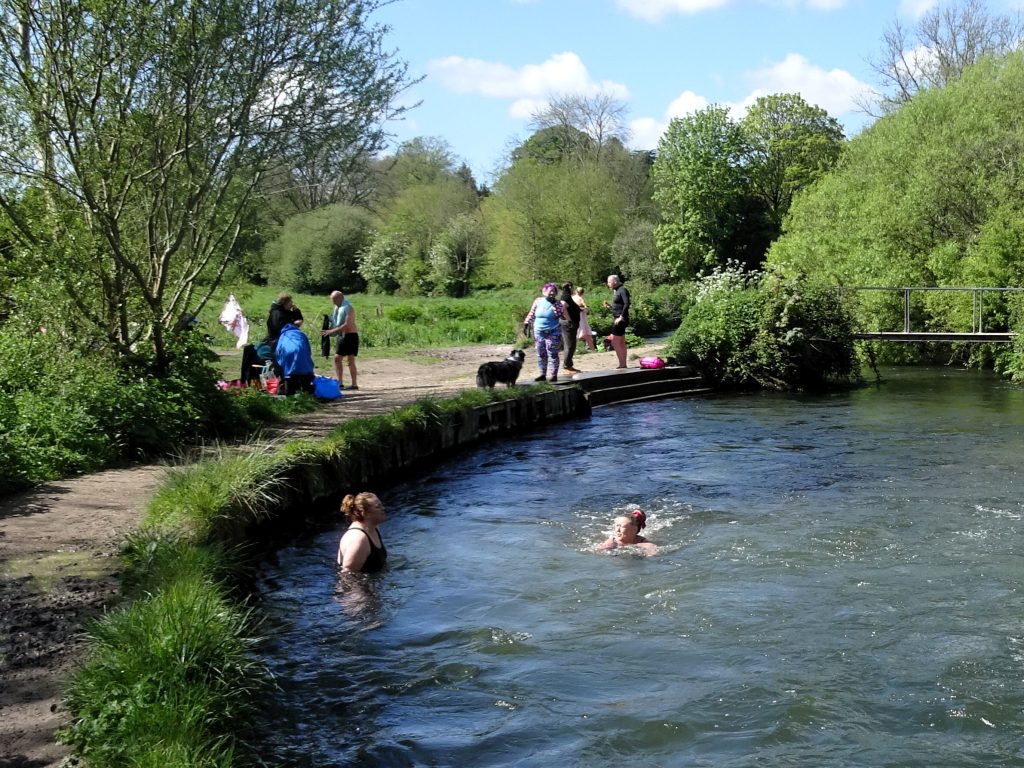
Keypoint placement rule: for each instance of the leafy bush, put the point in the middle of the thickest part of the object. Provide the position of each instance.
(63, 413)
(751, 330)
(404, 313)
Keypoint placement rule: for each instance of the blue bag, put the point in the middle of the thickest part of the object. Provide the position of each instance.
(326, 388)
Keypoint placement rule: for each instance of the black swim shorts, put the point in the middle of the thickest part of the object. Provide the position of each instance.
(348, 344)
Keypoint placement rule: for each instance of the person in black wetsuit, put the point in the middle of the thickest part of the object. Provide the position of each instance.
(361, 548)
(620, 317)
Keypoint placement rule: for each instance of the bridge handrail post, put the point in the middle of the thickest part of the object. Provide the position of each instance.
(906, 310)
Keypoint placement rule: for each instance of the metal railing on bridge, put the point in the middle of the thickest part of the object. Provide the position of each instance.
(977, 334)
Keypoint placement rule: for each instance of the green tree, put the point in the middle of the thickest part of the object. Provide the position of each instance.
(789, 145)
(457, 255)
(133, 138)
(559, 220)
(379, 263)
(420, 214)
(427, 190)
(635, 254)
(700, 185)
(316, 252)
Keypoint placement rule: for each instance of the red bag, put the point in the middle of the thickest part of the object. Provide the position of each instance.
(271, 386)
(652, 362)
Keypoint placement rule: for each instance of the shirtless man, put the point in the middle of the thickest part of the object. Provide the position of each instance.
(343, 326)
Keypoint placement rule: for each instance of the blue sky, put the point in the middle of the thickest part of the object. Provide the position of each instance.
(488, 64)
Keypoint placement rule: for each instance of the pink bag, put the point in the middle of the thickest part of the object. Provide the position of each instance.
(652, 362)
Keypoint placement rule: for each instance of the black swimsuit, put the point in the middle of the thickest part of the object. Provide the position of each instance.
(375, 561)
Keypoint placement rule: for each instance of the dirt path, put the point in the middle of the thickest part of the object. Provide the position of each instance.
(59, 543)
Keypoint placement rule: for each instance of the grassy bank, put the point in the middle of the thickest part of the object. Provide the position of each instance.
(170, 677)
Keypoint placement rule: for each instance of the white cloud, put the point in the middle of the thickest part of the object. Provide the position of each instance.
(530, 86)
(835, 90)
(655, 10)
(645, 132)
(915, 9)
(684, 104)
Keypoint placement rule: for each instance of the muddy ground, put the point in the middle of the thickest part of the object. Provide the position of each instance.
(59, 544)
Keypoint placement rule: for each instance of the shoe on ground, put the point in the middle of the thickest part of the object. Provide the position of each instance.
(541, 377)
(351, 387)
(571, 370)
(620, 367)
(553, 378)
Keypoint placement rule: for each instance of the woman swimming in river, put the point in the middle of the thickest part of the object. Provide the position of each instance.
(626, 533)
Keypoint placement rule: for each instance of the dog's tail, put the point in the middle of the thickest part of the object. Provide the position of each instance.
(481, 380)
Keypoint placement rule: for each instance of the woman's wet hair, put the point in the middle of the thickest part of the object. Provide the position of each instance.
(639, 519)
(353, 506)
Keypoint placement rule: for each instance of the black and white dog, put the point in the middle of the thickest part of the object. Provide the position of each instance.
(505, 371)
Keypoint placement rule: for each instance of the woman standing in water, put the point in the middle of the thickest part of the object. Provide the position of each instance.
(626, 533)
(361, 548)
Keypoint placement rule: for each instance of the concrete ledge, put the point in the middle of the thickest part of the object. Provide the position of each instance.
(637, 384)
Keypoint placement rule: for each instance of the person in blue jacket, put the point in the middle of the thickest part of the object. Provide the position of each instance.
(295, 358)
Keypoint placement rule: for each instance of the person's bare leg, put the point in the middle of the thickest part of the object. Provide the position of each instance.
(619, 345)
(352, 371)
(339, 368)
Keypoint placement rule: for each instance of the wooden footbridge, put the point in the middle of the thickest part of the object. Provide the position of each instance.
(976, 335)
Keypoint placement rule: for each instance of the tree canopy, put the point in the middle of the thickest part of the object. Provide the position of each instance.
(133, 138)
(724, 186)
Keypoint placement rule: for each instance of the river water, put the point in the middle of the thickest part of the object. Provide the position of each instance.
(838, 584)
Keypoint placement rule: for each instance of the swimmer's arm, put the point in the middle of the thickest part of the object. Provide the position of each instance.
(609, 544)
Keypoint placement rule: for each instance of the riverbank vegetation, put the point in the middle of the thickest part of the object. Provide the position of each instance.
(170, 679)
(751, 330)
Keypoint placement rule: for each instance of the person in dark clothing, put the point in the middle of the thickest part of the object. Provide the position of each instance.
(282, 311)
(570, 330)
(361, 548)
(620, 317)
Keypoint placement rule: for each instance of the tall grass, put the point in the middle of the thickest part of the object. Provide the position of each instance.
(167, 679)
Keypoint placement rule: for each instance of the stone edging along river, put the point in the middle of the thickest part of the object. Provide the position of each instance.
(59, 543)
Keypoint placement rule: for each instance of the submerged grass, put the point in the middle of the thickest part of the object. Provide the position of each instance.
(171, 679)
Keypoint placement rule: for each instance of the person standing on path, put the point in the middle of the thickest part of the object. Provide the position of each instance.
(343, 325)
(585, 332)
(620, 317)
(546, 315)
(570, 329)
